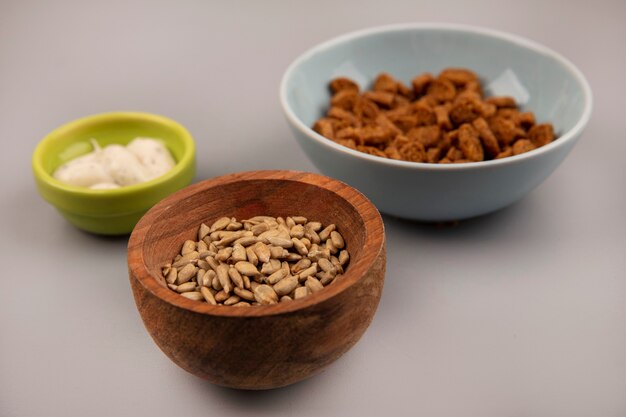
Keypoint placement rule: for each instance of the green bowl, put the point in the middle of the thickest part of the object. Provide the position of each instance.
(116, 211)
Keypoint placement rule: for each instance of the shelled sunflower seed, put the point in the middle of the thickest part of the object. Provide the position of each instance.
(259, 261)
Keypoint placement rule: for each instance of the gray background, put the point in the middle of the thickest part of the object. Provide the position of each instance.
(520, 313)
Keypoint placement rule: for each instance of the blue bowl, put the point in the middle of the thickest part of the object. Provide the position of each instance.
(541, 80)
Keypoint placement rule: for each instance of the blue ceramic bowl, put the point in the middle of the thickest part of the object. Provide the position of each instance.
(541, 80)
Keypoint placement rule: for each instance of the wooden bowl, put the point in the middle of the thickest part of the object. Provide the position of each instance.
(259, 347)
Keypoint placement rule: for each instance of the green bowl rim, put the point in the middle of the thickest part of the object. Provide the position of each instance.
(186, 159)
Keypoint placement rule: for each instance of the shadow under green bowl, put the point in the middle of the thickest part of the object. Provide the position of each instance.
(116, 211)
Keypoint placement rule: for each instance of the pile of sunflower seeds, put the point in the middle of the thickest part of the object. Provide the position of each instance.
(260, 261)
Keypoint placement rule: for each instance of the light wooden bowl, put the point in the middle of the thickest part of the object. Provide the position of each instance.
(258, 347)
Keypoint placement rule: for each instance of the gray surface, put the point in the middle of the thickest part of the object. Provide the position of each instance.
(517, 314)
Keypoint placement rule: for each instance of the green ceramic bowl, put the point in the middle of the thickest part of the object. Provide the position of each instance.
(116, 211)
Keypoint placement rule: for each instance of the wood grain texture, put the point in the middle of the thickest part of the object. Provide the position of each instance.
(265, 346)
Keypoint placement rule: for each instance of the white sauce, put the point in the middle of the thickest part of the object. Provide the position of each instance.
(116, 166)
(155, 158)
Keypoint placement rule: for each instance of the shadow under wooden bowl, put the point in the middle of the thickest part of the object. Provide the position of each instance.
(259, 347)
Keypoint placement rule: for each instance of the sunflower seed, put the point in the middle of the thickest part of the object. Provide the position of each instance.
(259, 228)
(204, 254)
(222, 276)
(270, 267)
(284, 231)
(317, 254)
(220, 224)
(202, 247)
(263, 237)
(188, 247)
(215, 284)
(203, 231)
(325, 277)
(207, 279)
(200, 277)
(293, 257)
(202, 263)
(277, 276)
(208, 295)
(280, 241)
(272, 223)
(276, 252)
(246, 240)
(221, 296)
(326, 265)
(227, 240)
(343, 257)
(186, 273)
(245, 294)
(337, 240)
(191, 257)
(213, 264)
(313, 285)
(325, 234)
(261, 219)
(246, 268)
(234, 225)
(314, 226)
(301, 265)
(251, 256)
(193, 295)
(300, 292)
(239, 253)
(297, 231)
(224, 254)
(331, 247)
(241, 304)
(235, 277)
(286, 285)
(233, 299)
(300, 247)
(171, 276)
(265, 295)
(312, 270)
(262, 252)
(186, 287)
(312, 236)
(336, 264)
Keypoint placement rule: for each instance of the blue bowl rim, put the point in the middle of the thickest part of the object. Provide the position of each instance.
(566, 137)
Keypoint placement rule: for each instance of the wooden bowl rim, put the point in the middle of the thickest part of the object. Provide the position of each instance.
(374, 243)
